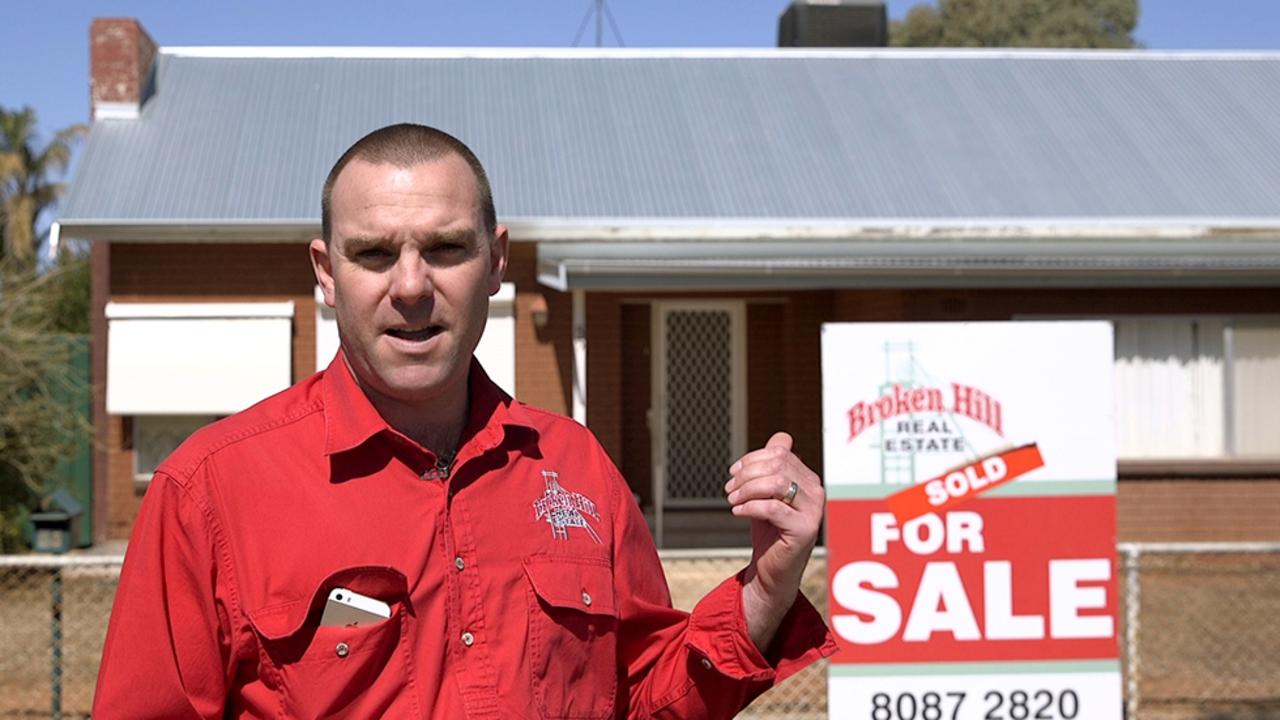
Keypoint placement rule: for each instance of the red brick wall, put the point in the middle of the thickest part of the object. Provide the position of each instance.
(175, 273)
(99, 294)
(544, 355)
(1209, 509)
(802, 379)
(123, 497)
(604, 376)
(767, 380)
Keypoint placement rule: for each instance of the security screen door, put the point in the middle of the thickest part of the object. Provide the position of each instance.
(699, 401)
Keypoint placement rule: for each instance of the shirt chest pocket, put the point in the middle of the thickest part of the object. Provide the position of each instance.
(573, 628)
(360, 671)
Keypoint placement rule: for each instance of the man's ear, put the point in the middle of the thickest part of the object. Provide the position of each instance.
(322, 264)
(499, 253)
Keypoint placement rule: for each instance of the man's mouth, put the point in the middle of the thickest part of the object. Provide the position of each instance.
(416, 334)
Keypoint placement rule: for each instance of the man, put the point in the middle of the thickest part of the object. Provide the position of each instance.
(518, 573)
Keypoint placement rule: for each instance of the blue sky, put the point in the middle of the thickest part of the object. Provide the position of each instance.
(44, 55)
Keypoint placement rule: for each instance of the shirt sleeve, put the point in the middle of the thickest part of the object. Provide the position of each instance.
(701, 664)
(168, 648)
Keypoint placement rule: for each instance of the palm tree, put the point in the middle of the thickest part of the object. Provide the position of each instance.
(26, 185)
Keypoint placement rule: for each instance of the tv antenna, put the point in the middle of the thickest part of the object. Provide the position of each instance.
(600, 10)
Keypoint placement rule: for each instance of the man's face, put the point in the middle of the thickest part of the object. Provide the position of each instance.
(409, 269)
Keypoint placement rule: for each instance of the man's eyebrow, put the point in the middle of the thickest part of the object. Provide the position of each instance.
(358, 243)
(464, 236)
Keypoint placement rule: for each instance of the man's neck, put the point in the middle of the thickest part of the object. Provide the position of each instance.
(435, 424)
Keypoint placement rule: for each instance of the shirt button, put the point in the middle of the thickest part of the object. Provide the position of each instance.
(468, 639)
(342, 649)
(459, 563)
(706, 663)
(586, 598)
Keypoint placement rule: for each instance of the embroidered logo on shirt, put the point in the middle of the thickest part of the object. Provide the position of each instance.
(563, 509)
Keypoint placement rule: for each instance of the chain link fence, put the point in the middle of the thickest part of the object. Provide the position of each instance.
(53, 617)
(1200, 630)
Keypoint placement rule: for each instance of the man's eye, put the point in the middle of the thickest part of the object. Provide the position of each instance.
(373, 254)
(448, 252)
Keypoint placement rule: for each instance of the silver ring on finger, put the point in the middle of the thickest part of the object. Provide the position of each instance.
(790, 497)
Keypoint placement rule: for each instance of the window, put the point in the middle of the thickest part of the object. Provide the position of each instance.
(156, 436)
(1202, 388)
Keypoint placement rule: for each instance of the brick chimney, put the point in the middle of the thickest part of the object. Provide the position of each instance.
(121, 59)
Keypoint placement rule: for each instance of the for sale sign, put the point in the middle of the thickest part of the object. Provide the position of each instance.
(970, 470)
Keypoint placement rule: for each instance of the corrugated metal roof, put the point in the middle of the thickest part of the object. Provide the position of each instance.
(894, 136)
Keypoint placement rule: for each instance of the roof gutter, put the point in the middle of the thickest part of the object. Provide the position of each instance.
(984, 262)
(687, 230)
(194, 230)
(888, 228)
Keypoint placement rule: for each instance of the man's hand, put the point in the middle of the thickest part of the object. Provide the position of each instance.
(782, 533)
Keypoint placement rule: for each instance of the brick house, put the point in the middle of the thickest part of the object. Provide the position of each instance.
(683, 222)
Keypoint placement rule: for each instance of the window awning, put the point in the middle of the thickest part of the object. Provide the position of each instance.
(196, 358)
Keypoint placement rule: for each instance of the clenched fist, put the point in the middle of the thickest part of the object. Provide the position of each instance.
(785, 501)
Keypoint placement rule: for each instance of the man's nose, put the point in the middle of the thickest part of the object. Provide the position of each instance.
(411, 279)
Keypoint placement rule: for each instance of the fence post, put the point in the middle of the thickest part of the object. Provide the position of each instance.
(1133, 606)
(55, 637)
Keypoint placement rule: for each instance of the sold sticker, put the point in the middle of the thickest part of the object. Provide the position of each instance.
(955, 487)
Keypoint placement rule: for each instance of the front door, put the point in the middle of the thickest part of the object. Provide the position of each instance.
(699, 401)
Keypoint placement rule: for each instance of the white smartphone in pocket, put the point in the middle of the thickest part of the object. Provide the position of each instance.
(346, 608)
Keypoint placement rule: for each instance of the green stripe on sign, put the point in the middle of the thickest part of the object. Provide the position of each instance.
(1055, 487)
(861, 492)
(1029, 488)
(1024, 667)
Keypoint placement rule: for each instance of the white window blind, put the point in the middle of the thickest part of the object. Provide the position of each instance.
(497, 349)
(1255, 384)
(196, 358)
(326, 332)
(1197, 387)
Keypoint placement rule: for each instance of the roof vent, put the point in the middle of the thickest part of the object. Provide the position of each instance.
(834, 23)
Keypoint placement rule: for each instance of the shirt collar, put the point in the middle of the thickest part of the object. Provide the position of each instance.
(350, 420)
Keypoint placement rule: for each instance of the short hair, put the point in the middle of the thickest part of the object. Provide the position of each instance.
(406, 145)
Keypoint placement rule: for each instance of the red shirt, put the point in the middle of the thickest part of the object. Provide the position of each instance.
(523, 585)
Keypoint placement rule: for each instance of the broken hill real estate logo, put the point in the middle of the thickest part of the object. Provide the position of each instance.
(899, 405)
(915, 435)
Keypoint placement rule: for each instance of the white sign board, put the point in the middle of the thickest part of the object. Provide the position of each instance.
(970, 470)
